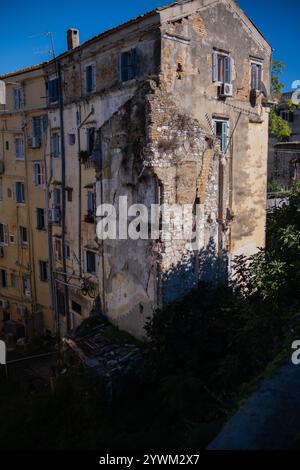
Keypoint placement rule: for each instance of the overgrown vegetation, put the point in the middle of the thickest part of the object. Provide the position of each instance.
(205, 356)
(278, 127)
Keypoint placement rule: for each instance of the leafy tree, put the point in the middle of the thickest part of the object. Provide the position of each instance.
(274, 186)
(278, 127)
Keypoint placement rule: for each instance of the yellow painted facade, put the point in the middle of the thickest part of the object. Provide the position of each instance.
(25, 298)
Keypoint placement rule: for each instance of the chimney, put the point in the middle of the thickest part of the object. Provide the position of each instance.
(73, 38)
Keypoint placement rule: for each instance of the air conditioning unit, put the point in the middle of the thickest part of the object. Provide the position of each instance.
(226, 89)
(1, 252)
(1, 167)
(54, 215)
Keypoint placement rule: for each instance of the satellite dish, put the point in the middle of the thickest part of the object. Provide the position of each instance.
(2, 353)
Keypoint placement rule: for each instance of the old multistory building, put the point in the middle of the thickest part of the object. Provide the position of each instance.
(172, 109)
(25, 298)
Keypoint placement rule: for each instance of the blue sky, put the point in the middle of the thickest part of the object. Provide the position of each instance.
(23, 20)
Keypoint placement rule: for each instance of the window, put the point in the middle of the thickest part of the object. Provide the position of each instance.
(222, 132)
(27, 287)
(39, 178)
(128, 65)
(58, 249)
(20, 192)
(53, 90)
(90, 203)
(40, 219)
(19, 143)
(6, 316)
(17, 99)
(90, 140)
(67, 251)
(90, 262)
(61, 306)
(23, 236)
(72, 139)
(90, 78)
(55, 145)
(256, 76)
(69, 194)
(222, 68)
(21, 311)
(56, 198)
(3, 278)
(76, 307)
(14, 281)
(3, 234)
(37, 129)
(44, 271)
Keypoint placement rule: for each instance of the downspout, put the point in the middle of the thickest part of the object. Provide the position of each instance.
(63, 196)
(50, 243)
(79, 189)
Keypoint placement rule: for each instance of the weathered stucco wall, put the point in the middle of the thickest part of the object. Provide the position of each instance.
(187, 45)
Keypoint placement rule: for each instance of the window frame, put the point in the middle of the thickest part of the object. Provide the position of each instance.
(39, 175)
(52, 81)
(128, 70)
(43, 271)
(3, 277)
(259, 64)
(18, 99)
(23, 230)
(55, 148)
(216, 55)
(223, 146)
(22, 192)
(90, 83)
(39, 211)
(87, 268)
(5, 232)
(20, 150)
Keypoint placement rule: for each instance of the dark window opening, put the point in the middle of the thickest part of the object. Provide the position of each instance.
(128, 65)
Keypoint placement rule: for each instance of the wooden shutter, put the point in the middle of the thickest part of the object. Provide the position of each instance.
(133, 63)
(124, 66)
(215, 66)
(224, 141)
(227, 69)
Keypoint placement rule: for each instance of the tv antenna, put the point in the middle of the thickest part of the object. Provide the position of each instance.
(45, 34)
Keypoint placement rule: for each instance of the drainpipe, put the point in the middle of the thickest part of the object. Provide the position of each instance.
(79, 189)
(63, 196)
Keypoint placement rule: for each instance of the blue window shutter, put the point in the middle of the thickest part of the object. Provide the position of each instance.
(215, 66)
(89, 78)
(133, 63)
(124, 66)
(227, 69)
(224, 141)
(93, 77)
(260, 77)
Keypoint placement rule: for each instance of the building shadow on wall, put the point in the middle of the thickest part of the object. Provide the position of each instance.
(206, 265)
